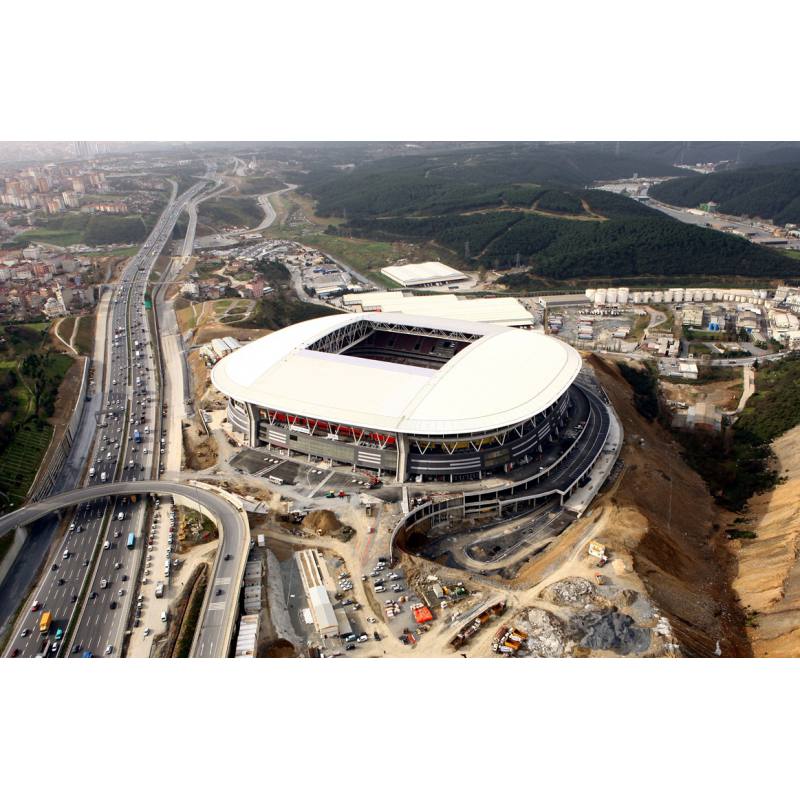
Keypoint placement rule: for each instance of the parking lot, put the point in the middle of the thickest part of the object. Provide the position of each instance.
(314, 479)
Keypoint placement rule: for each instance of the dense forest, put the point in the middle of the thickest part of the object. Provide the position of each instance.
(766, 192)
(474, 178)
(529, 206)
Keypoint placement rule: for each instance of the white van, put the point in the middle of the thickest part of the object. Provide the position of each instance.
(91, 472)
(103, 477)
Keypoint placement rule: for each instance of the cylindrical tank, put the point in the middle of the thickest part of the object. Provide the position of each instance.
(658, 297)
(637, 297)
(677, 295)
(611, 296)
(600, 297)
(668, 296)
(623, 294)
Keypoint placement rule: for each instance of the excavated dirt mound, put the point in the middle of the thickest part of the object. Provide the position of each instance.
(570, 592)
(324, 521)
(609, 630)
(546, 635)
(677, 544)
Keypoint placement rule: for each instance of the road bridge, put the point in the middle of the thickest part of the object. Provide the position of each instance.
(214, 631)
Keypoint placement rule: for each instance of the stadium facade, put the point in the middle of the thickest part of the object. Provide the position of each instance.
(410, 396)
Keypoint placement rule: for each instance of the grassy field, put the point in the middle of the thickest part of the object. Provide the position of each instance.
(57, 238)
(84, 338)
(240, 212)
(120, 252)
(21, 460)
(25, 437)
(65, 328)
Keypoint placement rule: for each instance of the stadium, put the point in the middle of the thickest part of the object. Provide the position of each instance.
(411, 396)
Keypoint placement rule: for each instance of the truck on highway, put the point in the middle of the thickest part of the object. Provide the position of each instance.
(137, 436)
(44, 622)
(131, 541)
(102, 477)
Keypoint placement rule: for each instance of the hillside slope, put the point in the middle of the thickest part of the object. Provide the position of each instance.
(765, 192)
(671, 530)
(768, 579)
(527, 206)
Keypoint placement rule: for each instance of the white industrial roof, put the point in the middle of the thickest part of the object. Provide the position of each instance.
(427, 272)
(322, 608)
(499, 310)
(505, 377)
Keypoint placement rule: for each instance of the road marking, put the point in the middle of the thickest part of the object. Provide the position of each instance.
(320, 484)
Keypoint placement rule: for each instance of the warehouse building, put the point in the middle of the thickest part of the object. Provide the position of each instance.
(429, 273)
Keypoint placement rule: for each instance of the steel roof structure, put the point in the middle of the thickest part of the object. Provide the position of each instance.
(501, 378)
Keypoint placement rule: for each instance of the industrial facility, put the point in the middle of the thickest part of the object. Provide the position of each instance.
(498, 310)
(430, 273)
(413, 396)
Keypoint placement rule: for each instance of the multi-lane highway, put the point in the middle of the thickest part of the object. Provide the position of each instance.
(131, 403)
(219, 611)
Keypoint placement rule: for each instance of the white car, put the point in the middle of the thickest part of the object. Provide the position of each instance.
(109, 650)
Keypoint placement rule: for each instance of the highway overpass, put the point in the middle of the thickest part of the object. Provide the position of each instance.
(214, 631)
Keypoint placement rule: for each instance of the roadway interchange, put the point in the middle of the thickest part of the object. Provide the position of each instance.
(129, 405)
(222, 597)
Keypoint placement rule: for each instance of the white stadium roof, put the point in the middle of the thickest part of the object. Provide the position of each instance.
(502, 378)
(418, 274)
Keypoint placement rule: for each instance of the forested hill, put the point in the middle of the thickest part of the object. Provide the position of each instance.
(515, 206)
(765, 192)
(463, 179)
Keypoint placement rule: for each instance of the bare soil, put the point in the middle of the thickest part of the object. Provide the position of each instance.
(768, 576)
(671, 526)
(199, 449)
(321, 522)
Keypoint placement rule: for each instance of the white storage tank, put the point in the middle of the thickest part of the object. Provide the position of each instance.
(677, 295)
(600, 297)
(590, 293)
(668, 296)
(658, 297)
(647, 297)
(637, 297)
(611, 296)
(622, 295)
(708, 296)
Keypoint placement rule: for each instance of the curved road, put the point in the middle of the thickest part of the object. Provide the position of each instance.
(219, 610)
